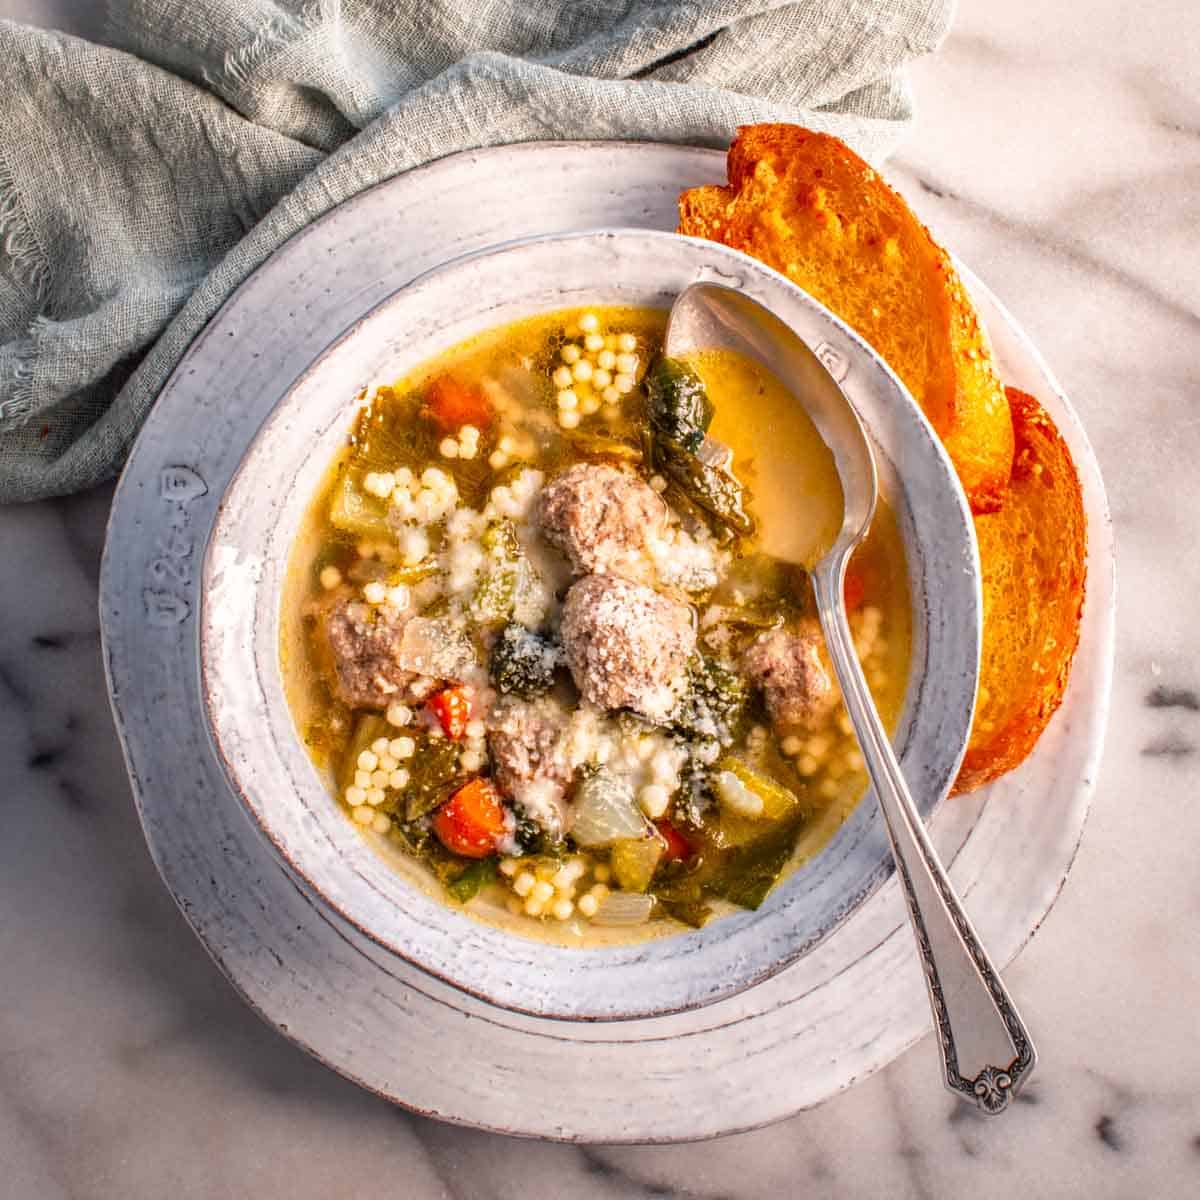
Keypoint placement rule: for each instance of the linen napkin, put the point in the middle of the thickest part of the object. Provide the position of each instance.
(139, 186)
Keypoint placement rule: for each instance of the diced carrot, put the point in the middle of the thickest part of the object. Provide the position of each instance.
(471, 822)
(452, 707)
(452, 404)
(679, 849)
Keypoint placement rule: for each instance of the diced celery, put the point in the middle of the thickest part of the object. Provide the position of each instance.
(356, 512)
(634, 861)
(500, 539)
(778, 801)
(367, 729)
(494, 594)
(779, 805)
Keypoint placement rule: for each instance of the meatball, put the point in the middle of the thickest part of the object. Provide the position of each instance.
(525, 740)
(364, 654)
(377, 654)
(787, 666)
(601, 518)
(627, 646)
(529, 760)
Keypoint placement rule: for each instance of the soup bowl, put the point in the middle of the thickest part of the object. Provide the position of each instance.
(363, 880)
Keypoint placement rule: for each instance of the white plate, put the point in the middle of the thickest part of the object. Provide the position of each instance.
(839, 1013)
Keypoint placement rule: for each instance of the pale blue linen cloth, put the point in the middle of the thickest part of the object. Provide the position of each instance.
(138, 187)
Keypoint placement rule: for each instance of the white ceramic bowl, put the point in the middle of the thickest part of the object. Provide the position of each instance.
(268, 767)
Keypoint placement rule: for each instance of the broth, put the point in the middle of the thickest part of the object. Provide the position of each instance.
(532, 639)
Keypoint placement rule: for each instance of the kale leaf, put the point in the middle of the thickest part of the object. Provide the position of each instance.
(677, 404)
(523, 663)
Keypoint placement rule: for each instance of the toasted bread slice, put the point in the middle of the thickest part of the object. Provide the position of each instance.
(805, 204)
(1033, 553)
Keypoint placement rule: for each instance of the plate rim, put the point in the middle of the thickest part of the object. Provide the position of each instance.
(1096, 712)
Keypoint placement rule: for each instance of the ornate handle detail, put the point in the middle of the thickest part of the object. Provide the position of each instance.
(977, 1023)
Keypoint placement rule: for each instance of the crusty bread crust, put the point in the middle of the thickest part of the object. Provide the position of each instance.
(807, 205)
(1034, 558)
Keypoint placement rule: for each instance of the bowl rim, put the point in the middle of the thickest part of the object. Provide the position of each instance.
(766, 285)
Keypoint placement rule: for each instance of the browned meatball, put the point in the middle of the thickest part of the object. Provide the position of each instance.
(529, 760)
(788, 668)
(627, 645)
(600, 518)
(375, 655)
(364, 654)
(525, 740)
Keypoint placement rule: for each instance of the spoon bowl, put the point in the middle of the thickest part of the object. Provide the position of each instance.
(986, 1051)
(709, 316)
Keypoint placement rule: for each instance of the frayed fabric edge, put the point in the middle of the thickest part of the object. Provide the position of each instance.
(22, 259)
(18, 246)
(240, 66)
(17, 406)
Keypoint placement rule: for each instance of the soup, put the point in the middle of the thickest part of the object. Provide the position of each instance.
(533, 640)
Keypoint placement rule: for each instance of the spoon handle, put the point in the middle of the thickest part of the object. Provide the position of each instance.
(987, 1053)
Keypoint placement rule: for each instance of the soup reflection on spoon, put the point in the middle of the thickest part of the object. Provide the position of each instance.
(781, 457)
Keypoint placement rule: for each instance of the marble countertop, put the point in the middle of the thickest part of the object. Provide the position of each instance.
(1058, 152)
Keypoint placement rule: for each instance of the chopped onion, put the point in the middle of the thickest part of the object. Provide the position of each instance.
(432, 646)
(605, 811)
(523, 387)
(624, 908)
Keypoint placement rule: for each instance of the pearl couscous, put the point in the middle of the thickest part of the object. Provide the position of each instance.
(544, 653)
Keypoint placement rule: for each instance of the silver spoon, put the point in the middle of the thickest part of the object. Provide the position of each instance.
(987, 1053)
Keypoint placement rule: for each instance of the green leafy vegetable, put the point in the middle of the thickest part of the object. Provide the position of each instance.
(363, 570)
(522, 663)
(413, 573)
(752, 616)
(331, 554)
(748, 874)
(718, 493)
(474, 878)
(533, 840)
(388, 433)
(433, 774)
(743, 874)
(596, 445)
(694, 800)
(680, 889)
(691, 911)
(678, 414)
(677, 404)
(714, 703)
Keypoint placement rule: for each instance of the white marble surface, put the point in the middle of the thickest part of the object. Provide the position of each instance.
(1058, 151)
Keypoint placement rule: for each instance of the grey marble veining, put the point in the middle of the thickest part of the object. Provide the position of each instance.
(1058, 152)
